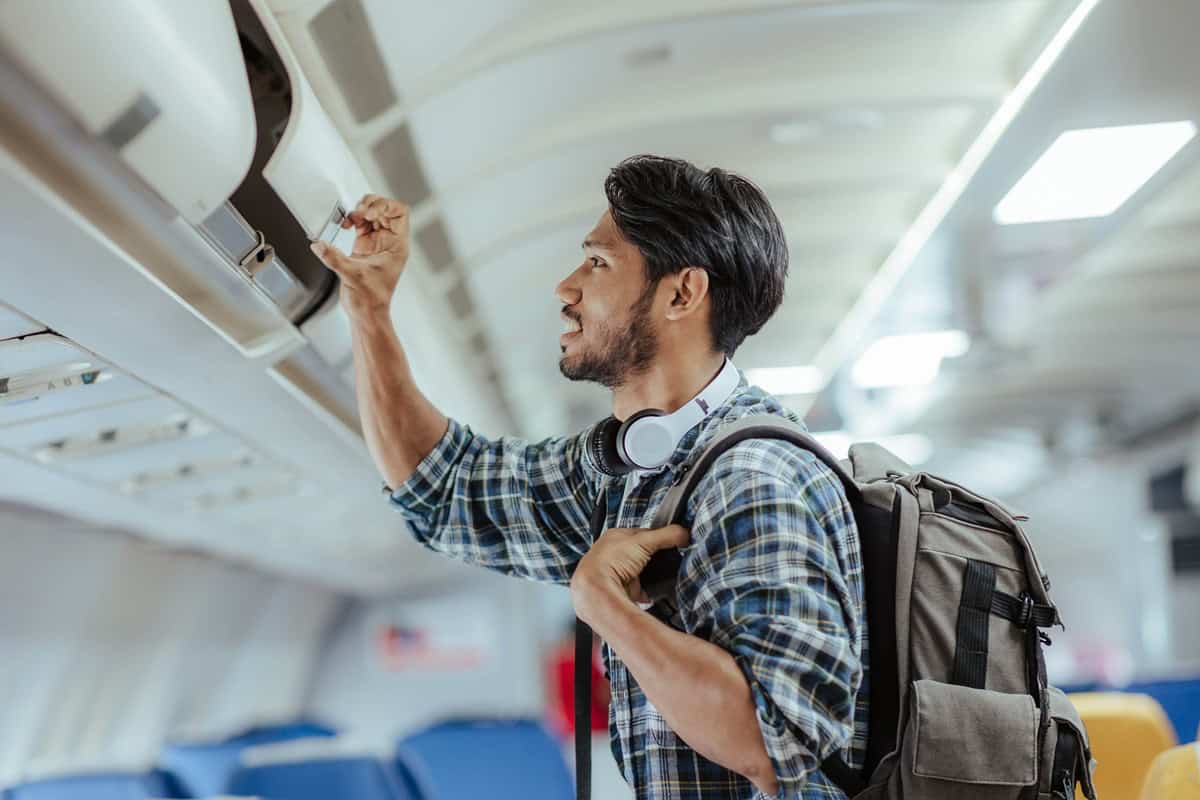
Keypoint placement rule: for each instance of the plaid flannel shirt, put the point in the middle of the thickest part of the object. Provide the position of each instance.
(773, 575)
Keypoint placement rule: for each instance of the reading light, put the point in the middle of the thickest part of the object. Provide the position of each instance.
(29, 386)
(110, 440)
(1092, 172)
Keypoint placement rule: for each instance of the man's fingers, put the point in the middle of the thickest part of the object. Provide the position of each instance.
(662, 538)
(382, 210)
(331, 257)
(357, 216)
(636, 593)
(375, 211)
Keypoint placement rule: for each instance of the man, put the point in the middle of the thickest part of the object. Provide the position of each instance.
(747, 678)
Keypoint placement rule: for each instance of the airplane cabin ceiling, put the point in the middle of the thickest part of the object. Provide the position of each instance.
(499, 122)
(516, 112)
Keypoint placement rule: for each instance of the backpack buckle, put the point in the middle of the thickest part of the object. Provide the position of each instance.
(1025, 615)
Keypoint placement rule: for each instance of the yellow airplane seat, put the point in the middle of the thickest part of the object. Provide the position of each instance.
(1174, 775)
(1127, 732)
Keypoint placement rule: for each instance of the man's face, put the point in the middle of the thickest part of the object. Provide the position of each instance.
(609, 331)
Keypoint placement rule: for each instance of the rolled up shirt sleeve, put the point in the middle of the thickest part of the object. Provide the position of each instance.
(505, 504)
(766, 579)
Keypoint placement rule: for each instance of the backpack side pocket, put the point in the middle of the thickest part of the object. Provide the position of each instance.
(1066, 753)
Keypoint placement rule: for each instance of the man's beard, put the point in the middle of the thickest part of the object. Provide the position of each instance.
(627, 350)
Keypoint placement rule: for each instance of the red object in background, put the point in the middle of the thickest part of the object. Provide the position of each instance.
(561, 675)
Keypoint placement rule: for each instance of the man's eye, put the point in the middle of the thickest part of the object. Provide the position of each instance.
(596, 262)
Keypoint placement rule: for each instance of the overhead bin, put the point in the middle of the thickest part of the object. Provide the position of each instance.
(188, 135)
(162, 84)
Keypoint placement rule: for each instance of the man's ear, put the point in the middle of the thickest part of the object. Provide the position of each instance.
(689, 287)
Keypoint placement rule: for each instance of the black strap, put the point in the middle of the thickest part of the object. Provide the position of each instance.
(1066, 756)
(757, 427)
(974, 613)
(1022, 611)
(583, 679)
(583, 710)
(845, 777)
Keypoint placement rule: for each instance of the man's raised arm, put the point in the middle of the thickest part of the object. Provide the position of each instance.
(515, 507)
(401, 426)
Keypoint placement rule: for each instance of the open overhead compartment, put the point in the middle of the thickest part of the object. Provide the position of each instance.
(189, 137)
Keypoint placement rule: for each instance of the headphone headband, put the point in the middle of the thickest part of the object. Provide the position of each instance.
(648, 438)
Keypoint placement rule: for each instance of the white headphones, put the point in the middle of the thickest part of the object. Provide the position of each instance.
(648, 438)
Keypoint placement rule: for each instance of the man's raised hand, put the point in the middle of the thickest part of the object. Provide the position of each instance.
(370, 273)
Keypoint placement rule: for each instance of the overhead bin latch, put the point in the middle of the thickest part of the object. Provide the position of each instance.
(259, 257)
(332, 226)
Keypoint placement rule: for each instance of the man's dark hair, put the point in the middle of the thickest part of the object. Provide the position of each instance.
(678, 215)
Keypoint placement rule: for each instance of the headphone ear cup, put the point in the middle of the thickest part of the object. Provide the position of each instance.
(623, 437)
(602, 445)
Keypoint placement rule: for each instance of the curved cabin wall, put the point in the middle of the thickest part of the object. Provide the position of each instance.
(119, 645)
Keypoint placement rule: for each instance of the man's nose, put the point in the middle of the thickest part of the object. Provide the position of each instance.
(567, 292)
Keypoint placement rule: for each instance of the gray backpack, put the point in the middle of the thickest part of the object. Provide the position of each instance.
(959, 702)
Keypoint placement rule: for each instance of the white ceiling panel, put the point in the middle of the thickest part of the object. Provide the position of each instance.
(239, 492)
(565, 188)
(14, 324)
(812, 53)
(417, 38)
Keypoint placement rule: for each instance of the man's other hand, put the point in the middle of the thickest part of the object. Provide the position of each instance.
(370, 273)
(609, 572)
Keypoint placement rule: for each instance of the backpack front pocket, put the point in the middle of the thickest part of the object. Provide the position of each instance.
(967, 743)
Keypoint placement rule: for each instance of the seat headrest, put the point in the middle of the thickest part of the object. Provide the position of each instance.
(314, 749)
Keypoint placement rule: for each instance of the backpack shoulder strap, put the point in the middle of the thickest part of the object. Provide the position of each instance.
(674, 506)
(762, 426)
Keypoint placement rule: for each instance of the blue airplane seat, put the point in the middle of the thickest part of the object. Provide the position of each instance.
(267, 734)
(100, 786)
(1179, 698)
(358, 777)
(204, 769)
(496, 759)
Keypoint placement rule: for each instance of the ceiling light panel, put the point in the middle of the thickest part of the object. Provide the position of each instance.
(142, 434)
(1092, 172)
(14, 324)
(224, 486)
(46, 375)
(143, 423)
(144, 468)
